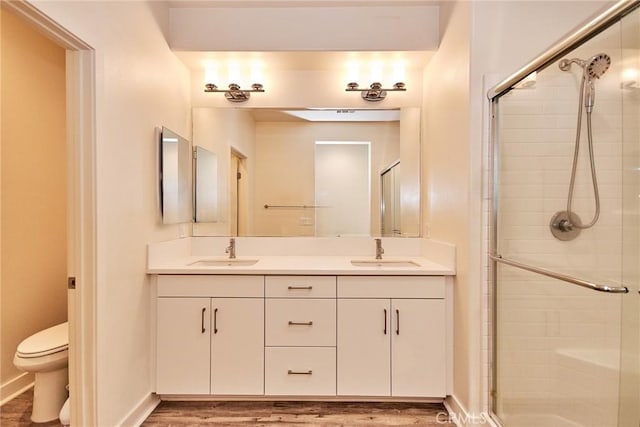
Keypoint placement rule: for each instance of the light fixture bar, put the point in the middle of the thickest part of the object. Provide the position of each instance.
(234, 93)
(375, 92)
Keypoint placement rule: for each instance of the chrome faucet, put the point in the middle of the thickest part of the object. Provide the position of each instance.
(231, 249)
(379, 250)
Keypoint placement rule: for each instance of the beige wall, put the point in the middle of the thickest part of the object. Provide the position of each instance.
(34, 258)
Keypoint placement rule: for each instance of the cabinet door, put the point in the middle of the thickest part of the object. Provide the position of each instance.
(418, 363)
(237, 346)
(363, 347)
(183, 343)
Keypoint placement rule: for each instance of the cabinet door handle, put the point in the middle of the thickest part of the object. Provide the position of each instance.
(309, 372)
(294, 288)
(397, 322)
(215, 321)
(202, 320)
(385, 321)
(292, 323)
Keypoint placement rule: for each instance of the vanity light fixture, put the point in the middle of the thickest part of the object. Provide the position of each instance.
(234, 93)
(375, 92)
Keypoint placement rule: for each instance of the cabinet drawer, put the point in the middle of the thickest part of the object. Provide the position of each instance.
(300, 371)
(207, 285)
(310, 322)
(300, 286)
(391, 287)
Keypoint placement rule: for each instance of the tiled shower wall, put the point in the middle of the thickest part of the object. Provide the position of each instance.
(558, 344)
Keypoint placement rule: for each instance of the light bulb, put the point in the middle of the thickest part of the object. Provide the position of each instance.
(375, 70)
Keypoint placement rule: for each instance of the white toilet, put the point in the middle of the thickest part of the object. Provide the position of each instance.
(46, 353)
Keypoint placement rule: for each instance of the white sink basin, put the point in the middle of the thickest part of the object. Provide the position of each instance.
(384, 263)
(227, 262)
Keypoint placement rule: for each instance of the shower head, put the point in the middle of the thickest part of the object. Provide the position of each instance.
(593, 68)
(597, 65)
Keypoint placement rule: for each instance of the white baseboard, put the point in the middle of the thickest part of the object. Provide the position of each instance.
(16, 386)
(459, 415)
(141, 411)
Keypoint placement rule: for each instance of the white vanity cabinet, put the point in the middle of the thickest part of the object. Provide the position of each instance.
(302, 335)
(391, 336)
(210, 335)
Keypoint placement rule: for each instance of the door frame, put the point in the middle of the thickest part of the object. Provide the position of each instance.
(81, 208)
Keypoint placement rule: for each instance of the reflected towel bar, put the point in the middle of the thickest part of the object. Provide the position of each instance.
(294, 206)
(563, 277)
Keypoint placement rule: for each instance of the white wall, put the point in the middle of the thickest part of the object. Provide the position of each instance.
(446, 160)
(139, 85)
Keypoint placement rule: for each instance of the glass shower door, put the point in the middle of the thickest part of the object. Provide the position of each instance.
(629, 413)
(566, 354)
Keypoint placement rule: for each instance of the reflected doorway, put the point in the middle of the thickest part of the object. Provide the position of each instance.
(238, 194)
(342, 188)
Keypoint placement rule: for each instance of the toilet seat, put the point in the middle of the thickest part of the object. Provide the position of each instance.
(49, 341)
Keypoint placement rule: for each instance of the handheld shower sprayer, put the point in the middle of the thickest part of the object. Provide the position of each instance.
(592, 69)
(566, 225)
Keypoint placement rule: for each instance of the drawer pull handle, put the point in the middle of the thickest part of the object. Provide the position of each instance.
(309, 372)
(385, 321)
(215, 321)
(292, 323)
(398, 322)
(297, 288)
(202, 321)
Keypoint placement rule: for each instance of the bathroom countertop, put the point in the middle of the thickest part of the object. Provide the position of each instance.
(301, 265)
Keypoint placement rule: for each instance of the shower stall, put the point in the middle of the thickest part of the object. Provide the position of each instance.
(564, 239)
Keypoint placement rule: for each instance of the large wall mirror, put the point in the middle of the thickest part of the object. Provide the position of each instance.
(311, 172)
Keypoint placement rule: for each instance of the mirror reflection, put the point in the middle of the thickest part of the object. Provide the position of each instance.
(205, 202)
(175, 177)
(310, 172)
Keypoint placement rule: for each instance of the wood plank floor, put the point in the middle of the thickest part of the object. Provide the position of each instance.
(17, 412)
(174, 413)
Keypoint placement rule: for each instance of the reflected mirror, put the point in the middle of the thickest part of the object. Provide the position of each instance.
(175, 178)
(205, 185)
(311, 172)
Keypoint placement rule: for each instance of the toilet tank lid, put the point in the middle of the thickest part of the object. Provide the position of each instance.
(48, 339)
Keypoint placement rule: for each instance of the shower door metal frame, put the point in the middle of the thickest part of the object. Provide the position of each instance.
(583, 33)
